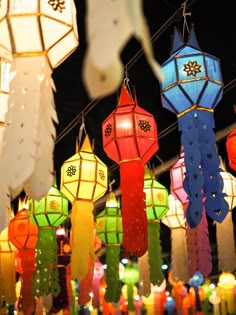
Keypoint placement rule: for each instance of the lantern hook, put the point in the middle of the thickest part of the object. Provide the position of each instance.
(82, 127)
(185, 14)
(110, 185)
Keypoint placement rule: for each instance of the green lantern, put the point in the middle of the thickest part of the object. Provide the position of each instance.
(130, 278)
(109, 230)
(156, 208)
(48, 214)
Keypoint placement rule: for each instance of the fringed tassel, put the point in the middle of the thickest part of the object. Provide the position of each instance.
(144, 275)
(134, 219)
(193, 181)
(226, 244)
(113, 290)
(27, 301)
(215, 204)
(82, 238)
(155, 253)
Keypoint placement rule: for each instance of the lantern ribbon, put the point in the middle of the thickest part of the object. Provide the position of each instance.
(144, 278)
(155, 253)
(134, 219)
(82, 238)
(113, 290)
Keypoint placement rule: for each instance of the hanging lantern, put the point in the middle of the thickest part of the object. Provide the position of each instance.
(7, 270)
(130, 278)
(196, 280)
(40, 35)
(83, 181)
(48, 214)
(109, 229)
(226, 283)
(191, 89)
(225, 230)
(130, 139)
(156, 207)
(175, 220)
(23, 234)
(231, 149)
(61, 301)
(197, 238)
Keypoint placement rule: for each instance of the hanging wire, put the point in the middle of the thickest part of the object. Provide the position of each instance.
(185, 14)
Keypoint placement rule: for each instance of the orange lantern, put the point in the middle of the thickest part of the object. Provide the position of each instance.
(231, 149)
(23, 234)
(130, 139)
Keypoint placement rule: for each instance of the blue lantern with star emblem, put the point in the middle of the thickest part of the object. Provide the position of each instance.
(191, 89)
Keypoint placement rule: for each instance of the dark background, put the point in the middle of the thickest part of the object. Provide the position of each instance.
(214, 25)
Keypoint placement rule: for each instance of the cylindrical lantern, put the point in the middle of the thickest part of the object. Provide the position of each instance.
(175, 220)
(40, 35)
(130, 139)
(156, 207)
(48, 214)
(109, 229)
(23, 234)
(7, 270)
(83, 181)
(231, 149)
(191, 89)
(225, 230)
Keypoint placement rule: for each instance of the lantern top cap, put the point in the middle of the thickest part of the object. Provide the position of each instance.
(178, 41)
(125, 97)
(86, 145)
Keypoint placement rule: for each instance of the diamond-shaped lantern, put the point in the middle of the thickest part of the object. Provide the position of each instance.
(40, 35)
(231, 149)
(109, 229)
(48, 214)
(23, 234)
(156, 207)
(130, 139)
(191, 89)
(83, 181)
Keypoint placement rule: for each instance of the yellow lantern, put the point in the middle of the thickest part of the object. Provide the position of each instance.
(7, 270)
(83, 181)
(40, 35)
(227, 283)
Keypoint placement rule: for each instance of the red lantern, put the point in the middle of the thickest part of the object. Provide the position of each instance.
(231, 149)
(23, 234)
(130, 139)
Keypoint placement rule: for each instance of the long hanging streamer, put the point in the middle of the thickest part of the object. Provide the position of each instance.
(144, 275)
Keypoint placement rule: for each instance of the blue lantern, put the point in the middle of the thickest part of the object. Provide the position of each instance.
(191, 89)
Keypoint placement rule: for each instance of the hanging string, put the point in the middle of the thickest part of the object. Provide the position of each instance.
(110, 185)
(185, 14)
(81, 129)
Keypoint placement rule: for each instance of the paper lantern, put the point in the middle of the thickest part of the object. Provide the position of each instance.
(7, 270)
(40, 35)
(191, 89)
(197, 238)
(48, 214)
(61, 301)
(225, 230)
(226, 283)
(23, 234)
(156, 207)
(130, 278)
(195, 282)
(109, 229)
(130, 139)
(175, 220)
(231, 149)
(83, 181)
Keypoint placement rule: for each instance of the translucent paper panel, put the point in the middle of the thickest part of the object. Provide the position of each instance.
(124, 125)
(209, 98)
(213, 68)
(178, 99)
(127, 148)
(170, 75)
(88, 171)
(5, 48)
(23, 6)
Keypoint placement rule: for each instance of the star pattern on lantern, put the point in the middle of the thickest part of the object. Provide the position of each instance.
(54, 205)
(57, 5)
(71, 170)
(192, 68)
(102, 175)
(108, 130)
(144, 125)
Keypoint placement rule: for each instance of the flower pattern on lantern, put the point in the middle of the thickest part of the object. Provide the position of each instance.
(130, 139)
(47, 217)
(39, 38)
(191, 89)
(83, 181)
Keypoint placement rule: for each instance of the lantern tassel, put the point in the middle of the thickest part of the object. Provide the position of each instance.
(144, 275)
(155, 253)
(82, 238)
(134, 219)
(215, 204)
(113, 290)
(29, 131)
(226, 244)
